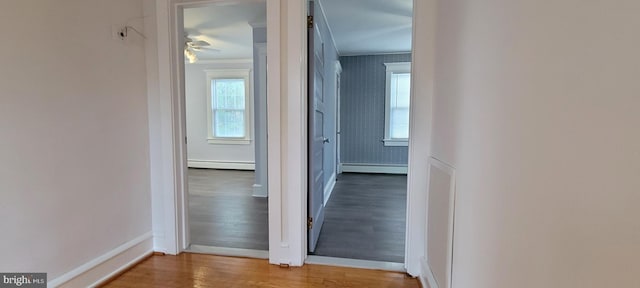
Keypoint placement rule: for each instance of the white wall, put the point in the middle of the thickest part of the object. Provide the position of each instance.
(537, 105)
(198, 149)
(74, 162)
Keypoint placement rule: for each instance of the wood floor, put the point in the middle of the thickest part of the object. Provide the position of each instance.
(365, 218)
(223, 212)
(196, 270)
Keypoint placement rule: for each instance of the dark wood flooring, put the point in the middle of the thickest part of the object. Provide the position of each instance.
(365, 218)
(223, 212)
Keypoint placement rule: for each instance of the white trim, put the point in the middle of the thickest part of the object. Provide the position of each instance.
(391, 68)
(398, 67)
(226, 251)
(224, 74)
(396, 142)
(107, 265)
(259, 191)
(336, 144)
(228, 141)
(426, 276)
(172, 203)
(422, 84)
(260, 122)
(293, 235)
(215, 164)
(355, 263)
(374, 168)
(328, 188)
(287, 144)
(449, 170)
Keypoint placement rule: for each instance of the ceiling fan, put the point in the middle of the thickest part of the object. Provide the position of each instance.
(192, 46)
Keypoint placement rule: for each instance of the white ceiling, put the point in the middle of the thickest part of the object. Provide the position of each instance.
(362, 27)
(359, 27)
(226, 27)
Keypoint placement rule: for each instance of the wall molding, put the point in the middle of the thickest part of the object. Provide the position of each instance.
(107, 265)
(259, 191)
(426, 278)
(214, 164)
(374, 168)
(328, 188)
(440, 220)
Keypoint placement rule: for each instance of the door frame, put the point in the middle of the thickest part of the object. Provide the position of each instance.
(286, 49)
(169, 203)
(336, 149)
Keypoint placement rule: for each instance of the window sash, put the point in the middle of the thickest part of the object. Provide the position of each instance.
(228, 108)
(399, 106)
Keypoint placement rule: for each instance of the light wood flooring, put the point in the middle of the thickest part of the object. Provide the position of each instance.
(223, 212)
(365, 218)
(196, 270)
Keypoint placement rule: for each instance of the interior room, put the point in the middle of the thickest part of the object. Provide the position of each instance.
(364, 79)
(225, 73)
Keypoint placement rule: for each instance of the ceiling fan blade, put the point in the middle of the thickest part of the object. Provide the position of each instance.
(197, 48)
(200, 43)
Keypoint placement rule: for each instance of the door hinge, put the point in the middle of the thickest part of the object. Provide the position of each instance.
(310, 21)
(309, 222)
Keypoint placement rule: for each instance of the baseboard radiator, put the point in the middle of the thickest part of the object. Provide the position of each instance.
(438, 263)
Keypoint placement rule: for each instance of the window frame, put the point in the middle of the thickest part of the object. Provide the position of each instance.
(391, 68)
(221, 74)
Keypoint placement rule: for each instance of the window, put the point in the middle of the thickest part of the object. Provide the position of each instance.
(228, 109)
(398, 84)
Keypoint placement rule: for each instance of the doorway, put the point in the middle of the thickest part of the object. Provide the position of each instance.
(225, 118)
(359, 67)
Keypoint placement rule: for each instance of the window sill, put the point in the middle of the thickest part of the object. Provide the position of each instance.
(396, 142)
(230, 141)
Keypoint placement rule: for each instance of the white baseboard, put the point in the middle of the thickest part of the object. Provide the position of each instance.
(102, 268)
(427, 279)
(212, 164)
(259, 191)
(328, 188)
(374, 168)
(159, 242)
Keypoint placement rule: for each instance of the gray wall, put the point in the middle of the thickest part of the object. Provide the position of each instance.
(362, 98)
(260, 115)
(330, 58)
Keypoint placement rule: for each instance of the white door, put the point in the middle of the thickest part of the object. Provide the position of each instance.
(316, 134)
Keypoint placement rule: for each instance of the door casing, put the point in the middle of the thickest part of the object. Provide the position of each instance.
(286, 50)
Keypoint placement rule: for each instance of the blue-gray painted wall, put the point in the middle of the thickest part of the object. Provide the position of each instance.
(362, 97)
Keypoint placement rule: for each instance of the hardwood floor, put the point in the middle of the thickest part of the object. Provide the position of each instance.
(223, 212)
(197, 270)
(365, 218)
